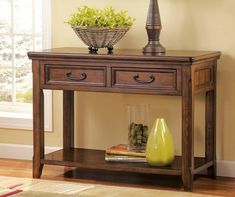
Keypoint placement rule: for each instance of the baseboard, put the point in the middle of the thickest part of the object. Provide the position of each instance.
(25, 152)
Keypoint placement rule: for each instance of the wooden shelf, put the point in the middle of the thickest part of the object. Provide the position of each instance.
(95, 159)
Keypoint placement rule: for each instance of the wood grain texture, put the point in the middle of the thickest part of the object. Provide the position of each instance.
(58, 74)
(68, 119)
(164, 79)
(72, 53)
(204, 76)
(187, 128)
(210, 127)
(38, 121)
(95, 159)
(181, 73)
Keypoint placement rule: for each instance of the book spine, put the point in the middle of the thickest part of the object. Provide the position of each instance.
(124, 159)
(137, 154)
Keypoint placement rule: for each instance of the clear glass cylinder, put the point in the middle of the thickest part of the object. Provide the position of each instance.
(138, 126)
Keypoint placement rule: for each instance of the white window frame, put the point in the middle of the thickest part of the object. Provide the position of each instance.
(25, 121)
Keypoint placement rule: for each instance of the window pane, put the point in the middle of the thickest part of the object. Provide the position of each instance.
(38, 43)
(23, 86)
(23, 44)
(38, 17)
(6, 85)
(5, 16)
(5, 51)
(23, 16)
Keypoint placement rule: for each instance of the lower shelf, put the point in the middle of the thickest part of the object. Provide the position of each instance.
(95, 159)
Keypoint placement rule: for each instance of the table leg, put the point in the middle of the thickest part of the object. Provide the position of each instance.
(38, 122)
(68, 119)
(211, 132)
(187, 129)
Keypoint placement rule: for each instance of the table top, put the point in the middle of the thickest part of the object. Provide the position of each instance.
(124, 54)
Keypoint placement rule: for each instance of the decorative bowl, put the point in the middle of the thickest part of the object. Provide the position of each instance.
(96, 38)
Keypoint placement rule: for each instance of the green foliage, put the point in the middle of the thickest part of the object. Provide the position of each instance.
(107, 17)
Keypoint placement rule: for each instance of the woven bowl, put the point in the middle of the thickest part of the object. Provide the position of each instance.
(97, 38)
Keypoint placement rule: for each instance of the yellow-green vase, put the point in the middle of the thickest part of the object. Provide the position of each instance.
(160, 145)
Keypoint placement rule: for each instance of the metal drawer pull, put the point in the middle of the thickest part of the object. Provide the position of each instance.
(151, 79)
(83, 77)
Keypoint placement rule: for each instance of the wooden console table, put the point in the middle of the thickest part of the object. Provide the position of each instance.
(181, 73)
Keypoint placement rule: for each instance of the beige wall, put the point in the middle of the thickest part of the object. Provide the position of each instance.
(187, 25)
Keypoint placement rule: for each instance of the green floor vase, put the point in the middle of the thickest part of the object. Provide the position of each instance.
(160, 145)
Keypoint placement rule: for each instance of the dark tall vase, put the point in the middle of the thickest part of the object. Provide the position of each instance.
(153, 27)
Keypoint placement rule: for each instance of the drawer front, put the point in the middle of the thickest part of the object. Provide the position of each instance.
(157, 79)
(75, 75)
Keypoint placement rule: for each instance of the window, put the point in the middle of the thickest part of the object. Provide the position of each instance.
(24, 26)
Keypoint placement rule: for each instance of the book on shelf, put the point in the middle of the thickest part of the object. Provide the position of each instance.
(123, 158)
(122, 149)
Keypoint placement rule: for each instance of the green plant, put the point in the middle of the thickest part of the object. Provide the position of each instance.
(93, 17)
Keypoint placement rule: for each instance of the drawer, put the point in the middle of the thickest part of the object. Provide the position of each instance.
(75, 75)
(156, 79)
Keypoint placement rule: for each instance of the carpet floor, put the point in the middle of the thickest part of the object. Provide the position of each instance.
(22, 187)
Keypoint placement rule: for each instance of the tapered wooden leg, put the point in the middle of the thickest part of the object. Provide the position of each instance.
(38, 122)
(211, 132)
(187, 129)
(68, 119)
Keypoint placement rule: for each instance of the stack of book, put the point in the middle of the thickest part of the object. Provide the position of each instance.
(121, 153)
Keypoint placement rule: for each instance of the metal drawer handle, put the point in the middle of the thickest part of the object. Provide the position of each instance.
(151, 79)
(70, 77)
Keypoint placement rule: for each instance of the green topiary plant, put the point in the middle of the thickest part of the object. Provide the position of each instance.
(100, 18)
(100, 28)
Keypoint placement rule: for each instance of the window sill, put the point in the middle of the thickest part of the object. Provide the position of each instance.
(13, 122)
(22, 121)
